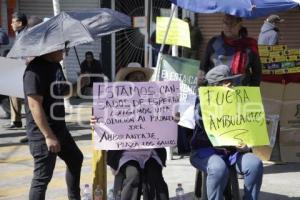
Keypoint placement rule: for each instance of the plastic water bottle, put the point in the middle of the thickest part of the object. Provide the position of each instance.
(98, 193)
(86, 195)
(110, 195)
(179, 192)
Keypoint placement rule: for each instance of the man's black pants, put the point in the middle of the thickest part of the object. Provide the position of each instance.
(44, 163)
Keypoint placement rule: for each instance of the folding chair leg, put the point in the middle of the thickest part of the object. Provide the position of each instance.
(231, 191)
(198, 184)
(235, 192)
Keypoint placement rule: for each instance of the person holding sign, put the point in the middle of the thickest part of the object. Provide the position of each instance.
(137, 171)
(235, 49)
(215, 161)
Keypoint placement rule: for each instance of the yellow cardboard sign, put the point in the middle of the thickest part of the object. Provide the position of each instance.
(233, 116)
(179, 32)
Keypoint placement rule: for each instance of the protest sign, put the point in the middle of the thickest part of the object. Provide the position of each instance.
(135, 115)
(179, 32)
(233, 116)
(183, 70)
(11, 77)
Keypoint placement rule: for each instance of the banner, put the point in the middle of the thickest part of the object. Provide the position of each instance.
(179, 32)
(233, 116)
(11, 77)
(135, 115)
(183, 70)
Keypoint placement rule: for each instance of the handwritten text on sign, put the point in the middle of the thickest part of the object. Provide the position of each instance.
(179, 32)
(232, 116)
(135, 115)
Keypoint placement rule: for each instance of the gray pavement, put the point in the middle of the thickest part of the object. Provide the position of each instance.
(281, 182)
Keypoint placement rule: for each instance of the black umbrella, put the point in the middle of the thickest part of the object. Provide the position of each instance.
(102, 21)
(68, 29)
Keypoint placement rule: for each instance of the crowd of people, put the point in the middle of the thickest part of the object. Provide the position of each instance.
(230, 59)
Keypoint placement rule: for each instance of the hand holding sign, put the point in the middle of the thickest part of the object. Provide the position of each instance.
(135, 115)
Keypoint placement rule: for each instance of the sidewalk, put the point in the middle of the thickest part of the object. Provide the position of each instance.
(281, 182)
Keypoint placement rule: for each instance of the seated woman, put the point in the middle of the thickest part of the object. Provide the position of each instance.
(140, 170)
(216, 161)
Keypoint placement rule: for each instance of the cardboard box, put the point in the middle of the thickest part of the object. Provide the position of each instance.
(265, 60)
(290, 115)
(272, 95)
(264, 65)
(264, 48)
(290, 144)
(278, 58)
(265, 152)
(279, 47)
(264, 53)
(287, 64)
(292, 58)
(268, 71)
(284, 100)
(294, 70)
(276, 65)
(290, 52)
(297, 63)
(291, 91)
(276, 53)
(281, 71)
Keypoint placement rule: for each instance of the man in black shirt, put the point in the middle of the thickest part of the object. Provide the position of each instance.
(46, 128)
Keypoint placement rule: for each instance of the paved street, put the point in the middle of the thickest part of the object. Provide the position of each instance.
(281, 182)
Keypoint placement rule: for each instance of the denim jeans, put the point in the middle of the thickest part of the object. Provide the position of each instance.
(44, 163)
(217, 174)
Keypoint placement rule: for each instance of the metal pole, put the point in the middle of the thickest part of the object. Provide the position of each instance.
(159, 59)
(146, 48)
(150, 31)
(56, 11)
(99, 173)
(165, 38)
(175, 47)
(113, 47)
(56, 7)
(77, 56)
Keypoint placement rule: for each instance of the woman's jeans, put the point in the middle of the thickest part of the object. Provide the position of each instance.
(217, 174)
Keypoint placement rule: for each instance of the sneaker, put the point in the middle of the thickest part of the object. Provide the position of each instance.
(14, 125)
(24, 140)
